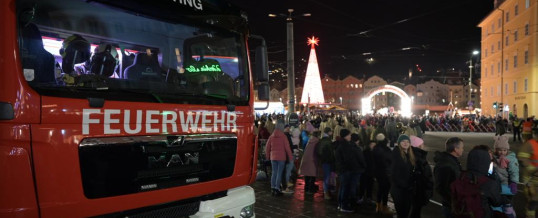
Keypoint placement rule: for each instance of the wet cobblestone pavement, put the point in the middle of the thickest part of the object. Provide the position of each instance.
(300, 204)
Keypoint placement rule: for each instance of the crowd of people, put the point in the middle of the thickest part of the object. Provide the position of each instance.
(352, 153)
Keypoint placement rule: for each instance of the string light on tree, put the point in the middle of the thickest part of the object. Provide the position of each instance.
(312, 90)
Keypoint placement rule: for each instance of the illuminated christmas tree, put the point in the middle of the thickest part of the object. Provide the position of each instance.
(312, 91)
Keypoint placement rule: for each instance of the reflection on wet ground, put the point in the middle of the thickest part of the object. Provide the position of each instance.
(301, 204)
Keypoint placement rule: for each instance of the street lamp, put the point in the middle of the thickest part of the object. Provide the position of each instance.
(475, 52)
(340, 101)
(290, 61)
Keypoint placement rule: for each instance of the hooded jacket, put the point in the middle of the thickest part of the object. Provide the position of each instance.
(478, 162)
(447, 169)
(277, 147)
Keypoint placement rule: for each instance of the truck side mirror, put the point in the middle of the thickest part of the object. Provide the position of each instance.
(261, 71)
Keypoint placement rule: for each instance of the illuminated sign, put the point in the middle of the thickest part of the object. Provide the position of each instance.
(192, 3)
(204, 68)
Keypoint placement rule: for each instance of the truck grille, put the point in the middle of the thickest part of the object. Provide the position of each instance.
(123, 165)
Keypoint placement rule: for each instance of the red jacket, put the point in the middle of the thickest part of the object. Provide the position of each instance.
(278, 147)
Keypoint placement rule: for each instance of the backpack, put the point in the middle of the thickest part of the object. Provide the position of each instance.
(466, 196)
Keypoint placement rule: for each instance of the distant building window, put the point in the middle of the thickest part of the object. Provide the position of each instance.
(515, 61)
(526, 85)
(515, 36)
(507, 16)
(506, 64)
(516, 10)
(499, 67)
(515, 87)
(506, 88)
(486, 74)
(526, 29)
(498, 45)
(527, 3)
(492, 48)
(507, 40)
(499, 23)
(492, 70)
(486, 52)
(526, 57)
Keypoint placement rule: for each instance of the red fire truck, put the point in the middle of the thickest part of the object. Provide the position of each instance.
(129, 108)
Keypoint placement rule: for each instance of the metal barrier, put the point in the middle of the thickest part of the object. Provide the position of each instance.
(446, 127)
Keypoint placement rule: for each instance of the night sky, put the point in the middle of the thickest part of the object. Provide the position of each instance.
(439, 34)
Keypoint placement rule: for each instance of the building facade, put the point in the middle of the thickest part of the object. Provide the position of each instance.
(509, 61)
(346, 92)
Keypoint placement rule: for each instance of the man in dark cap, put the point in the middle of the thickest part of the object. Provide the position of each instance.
(349, 165)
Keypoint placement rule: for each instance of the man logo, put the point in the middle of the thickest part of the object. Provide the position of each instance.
(148, 186)
(191, 180)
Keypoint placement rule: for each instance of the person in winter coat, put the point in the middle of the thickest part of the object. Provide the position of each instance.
(326, 154)
(507, 169)
(367, 180)
(263, 133)
(499, 127)
(278, 151)
(391, 130)
(290, 165)
(382, 157)
(447, 169)
(478, 164)
(309, 163)
(401, 175)
(423, 178)
(349, 165)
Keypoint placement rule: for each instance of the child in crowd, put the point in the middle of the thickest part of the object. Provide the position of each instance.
(507, 168)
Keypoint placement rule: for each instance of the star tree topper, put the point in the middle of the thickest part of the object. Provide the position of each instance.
(312, 41)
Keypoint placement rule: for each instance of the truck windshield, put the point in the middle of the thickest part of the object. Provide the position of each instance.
(77, 49)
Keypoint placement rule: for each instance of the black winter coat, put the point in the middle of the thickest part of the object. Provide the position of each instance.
(382, 159)
(423, 178)
(401, 173)
(349, 158)
(326, 150)
(447, 169)
(478, 163)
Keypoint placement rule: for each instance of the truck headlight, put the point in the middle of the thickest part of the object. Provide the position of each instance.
(247, 211)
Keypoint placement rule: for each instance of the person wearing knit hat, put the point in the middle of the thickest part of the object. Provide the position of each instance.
(417, 142)
(402, 171)
(403, 137)
(423, 175)
(344, 133)
(501, 142)
(380, 137)
(507, 165)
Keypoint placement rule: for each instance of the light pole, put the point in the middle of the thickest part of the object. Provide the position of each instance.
(290, 61)
(470, 104)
